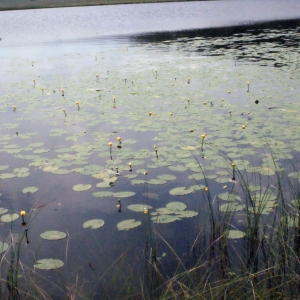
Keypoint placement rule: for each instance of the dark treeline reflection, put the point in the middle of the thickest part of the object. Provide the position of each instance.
(157, 37)
(247, 43)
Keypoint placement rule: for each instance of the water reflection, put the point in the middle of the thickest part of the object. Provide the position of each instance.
(242, 43)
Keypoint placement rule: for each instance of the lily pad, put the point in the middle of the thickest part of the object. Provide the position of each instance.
(31, 189)
(81, 187)
(94, 224)
(186, 214)
(139, 207)
(166, 177)
(179, 191)
(103, 194)
(162, 219)
(53, 235)
(3, 247)
(235, 234)
(9, 217)
(156, 181)
(48, 264)
(176, 206)
(105, 184)
(124, 194)
(229, 197)
(3, 210)
(128, 224)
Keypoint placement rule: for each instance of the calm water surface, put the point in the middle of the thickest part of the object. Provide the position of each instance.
(58, 25)
(64, 48)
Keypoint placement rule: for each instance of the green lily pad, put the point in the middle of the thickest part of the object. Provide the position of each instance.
(103, 194)
(124, 194)
(138, 181)
(7, 175)
(235, 234)
(61, 172)
(81, 187)
(139, 207)
(53, 235)
(166, 177)
(229, 197)
(3, 247)
(163, 219)
(31, 189)
(3, 210)
(186, 214)
(178, 168)
(128, 224)
(191, 148)
(94, 224)
(156, 181)
(105, 184)
(176, 206)
(9, 217)
(179, 191)
(48, 264)
(231, 207)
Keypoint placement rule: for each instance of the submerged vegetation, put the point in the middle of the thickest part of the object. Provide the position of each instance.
(197, 198)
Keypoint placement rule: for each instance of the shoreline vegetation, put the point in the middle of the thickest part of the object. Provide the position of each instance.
(37, 4)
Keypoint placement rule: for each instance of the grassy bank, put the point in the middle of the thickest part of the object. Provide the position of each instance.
(34, 4)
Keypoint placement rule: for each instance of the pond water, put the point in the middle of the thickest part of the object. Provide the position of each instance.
(188, 92)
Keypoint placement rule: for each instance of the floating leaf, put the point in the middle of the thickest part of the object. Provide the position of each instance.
(176, 206)
(179, 191)
(191, 148)
(81, 187)
(9, 217)
(166, 177)
(48, 264)
(229, 197)
(124, 194)
(31, 189)
(235, 234)
(178, 168)
(231, 207)
(3, 247)
(156, 181)
(7, 175)
(53, 235)
(162, 219)
(94, 224)
(186, 214)
(103, 194)
(138, 181)
(3, 210)
(128, 224)
(61, 172)
(163, 211)
(139, 207)
(105, 184)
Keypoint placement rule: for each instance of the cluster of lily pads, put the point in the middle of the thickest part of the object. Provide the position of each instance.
(172, 112)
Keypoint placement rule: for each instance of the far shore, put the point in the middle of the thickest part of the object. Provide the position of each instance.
(35, 4)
